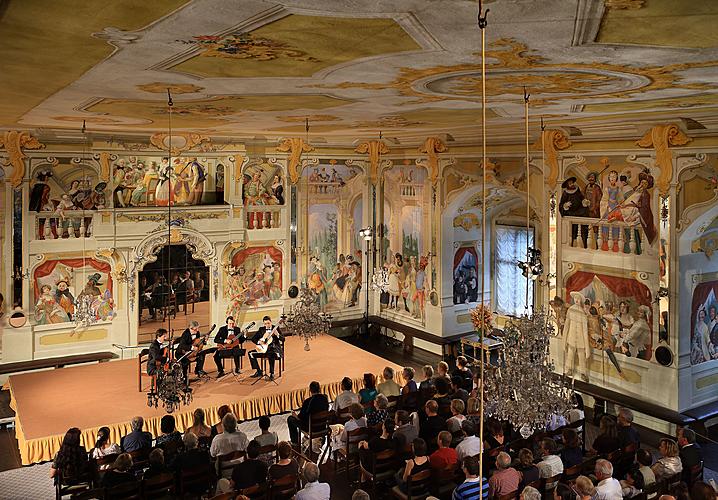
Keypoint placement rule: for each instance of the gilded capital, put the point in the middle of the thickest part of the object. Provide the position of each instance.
(552, 141)
(661, 138)
(432, 146)
(295, 146)
(374, 149)
(14, 142)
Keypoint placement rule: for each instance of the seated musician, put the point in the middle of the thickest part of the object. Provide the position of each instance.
(275, 350)
(185, 345)
(226, 335)
(157, 355)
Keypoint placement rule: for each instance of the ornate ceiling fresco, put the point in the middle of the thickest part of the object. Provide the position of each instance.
(406, 67)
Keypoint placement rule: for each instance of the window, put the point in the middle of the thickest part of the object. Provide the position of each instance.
(510, 248)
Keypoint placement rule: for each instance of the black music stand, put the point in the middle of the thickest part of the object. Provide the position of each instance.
(263, 360)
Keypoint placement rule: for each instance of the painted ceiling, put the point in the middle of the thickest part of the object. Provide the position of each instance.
(353, 67)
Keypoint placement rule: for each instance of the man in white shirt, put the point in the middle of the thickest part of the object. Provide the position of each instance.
(389, 388)
(471, 445)
(550, 464)
(230, 440)
(313, 489)
(347, 397)
(607, 488)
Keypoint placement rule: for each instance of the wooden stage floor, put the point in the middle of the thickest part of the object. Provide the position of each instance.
(91, 396)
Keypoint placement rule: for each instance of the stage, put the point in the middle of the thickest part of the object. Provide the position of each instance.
(91, 396)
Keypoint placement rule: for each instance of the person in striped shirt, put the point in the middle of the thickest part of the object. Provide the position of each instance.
(473, 487)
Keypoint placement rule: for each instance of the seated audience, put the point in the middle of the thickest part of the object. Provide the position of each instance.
(444, 456)
(550, 464)
(571, 453)
(230, 440)
(475, 385)
(689, 453)
(419, 462)
(70, 462)
(627, 434)
(346, 397)
(316, 402)
(169, 432)
(368, 393)
(645, 460)
(192, 456)
(221, 412)
(120, 472)
(607, 439)
(453, 424)
(530, 493)
(506, 479)
(357, 421)
(525, 465)
(360, 495)
(442, 397)
(564, 492)
(313, 489)
(670, 463)
(607, 488)
(680, 491)
(137, 439)
(702, 491)
(285, 465)
(157, 464)
(474, 486)
(633, 484)
(473, 411)
(251, 471)
(380, 412)
(389, 387)
(495, 439)
(471, 445)
(405, 432)
(442, 371)
(266, 438)
(409, 385)
(199, 427)
(462, 370)
(457, 389)
(432, 423)
(585, 490)
(103, 447)
(377, 444)
(427, 384)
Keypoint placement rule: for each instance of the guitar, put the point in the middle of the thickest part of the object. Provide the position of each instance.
(199, 343)
(235, 339)
(268, 337)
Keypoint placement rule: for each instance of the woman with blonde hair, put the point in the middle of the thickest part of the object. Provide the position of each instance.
(670, 463)
(199, 428)
(585, 490)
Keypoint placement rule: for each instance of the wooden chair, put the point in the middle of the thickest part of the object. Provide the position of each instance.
(267, 451)
(126, 491)
(317, 428)
(548, 484)
(283, 488)
(588, 466)
(91, 494)
(256, 492)
(161, 486)
(142, 370)
(98, 467)
(350, 452)
(64, 487)
(381, 468)
(444, 481)
(224, 496)
(572, 472)
(225, 463)
(667, 483)
(196, 480)
(418, 487)
(343, 415)
(509, 496)
(204, 442)
(140, 458)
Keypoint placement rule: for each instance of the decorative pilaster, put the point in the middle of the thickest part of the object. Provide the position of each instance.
(295, 146)
(553, 140)
(661, 138)
(14, 142)
(374, 149)
(432, 146)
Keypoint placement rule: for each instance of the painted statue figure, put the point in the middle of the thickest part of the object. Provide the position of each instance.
(577, 337)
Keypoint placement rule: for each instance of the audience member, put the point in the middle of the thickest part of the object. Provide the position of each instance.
(670, 463)
(360, 495)
(418, 462)
(702, 491)
(347, 396)
(530, 493)
(463, 371)
(576, 413)
(474, 486)
(285, 465)
(571, 453)
(157, 464)
(525, 465)
(168, 430)
(585, 490)
(221, 412)
(607, 439)
(432, 423)
(689, 453)
(563, 492)
(199, 427)
(380, 413)
(251, 471)
(357, 421)
(473, 411)
(633, 484)
(70, 462)
(427, 384)
(409, 385)
(607, 488)
(103, 447)
(266, 438)
(368, 392)
(442, 371)
(645, 460)
(627, 434)
(192, 456)
(405, 432)
(680, 491)
(495, 439)
(442, 397)
(444, 456)
(313, 489)
(471, 444)
(550, 464)
(137, 439)
(389, 387)
(119, 473)
(316, 402)
(457, 389)
(457, 416)
(506, 479)
(377, 444)
(230, 440)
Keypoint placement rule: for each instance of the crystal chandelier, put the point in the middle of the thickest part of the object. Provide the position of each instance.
(85, 314)
(524, 389)
(380, 279)
(171, 389)
(306, 318)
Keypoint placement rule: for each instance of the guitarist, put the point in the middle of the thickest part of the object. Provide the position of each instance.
(157, 353)
(275, 350)
(226, 335)
(185, 345)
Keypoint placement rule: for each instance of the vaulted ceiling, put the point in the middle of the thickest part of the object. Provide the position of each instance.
(354, 67)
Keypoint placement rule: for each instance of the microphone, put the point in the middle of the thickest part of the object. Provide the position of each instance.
(250, 325)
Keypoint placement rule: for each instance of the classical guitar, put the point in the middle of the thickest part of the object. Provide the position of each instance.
(268, 337)
(199, 343)
(235, 340)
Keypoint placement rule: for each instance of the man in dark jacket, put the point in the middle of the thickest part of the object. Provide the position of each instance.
(137, 439)
(316, 402)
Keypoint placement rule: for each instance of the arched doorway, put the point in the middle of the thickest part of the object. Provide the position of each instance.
(173, 290)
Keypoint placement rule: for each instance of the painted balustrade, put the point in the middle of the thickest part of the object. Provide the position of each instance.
(51, 226)
(263, 217)
(599, 235)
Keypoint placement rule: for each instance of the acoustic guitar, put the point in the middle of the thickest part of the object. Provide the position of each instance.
(266, 340)
(199, 343)
(235, 340)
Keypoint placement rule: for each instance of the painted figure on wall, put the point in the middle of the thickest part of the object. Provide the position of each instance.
(574, 204)
(576, 334)
(63, 296)
(466, 287)
(257, 278)
(636, 209)
(704, 323)
(593, 193)
(47, 310)
(263, 185)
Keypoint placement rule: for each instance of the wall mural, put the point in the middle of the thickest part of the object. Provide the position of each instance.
(406, 194)
(704, 322)
(262, 185)
(466, 271)
(334, 218)
(151, 181)
(255, 278)
(618, 311)
(60, 283)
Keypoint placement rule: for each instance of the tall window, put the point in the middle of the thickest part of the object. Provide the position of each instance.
(510, 284)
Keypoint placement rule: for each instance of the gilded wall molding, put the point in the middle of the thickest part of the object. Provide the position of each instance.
(374, 149)
(105, 160)
(552, 141)
(295, 146)
(661, 138)
(432, 146)
(14, 142)
(191, 139)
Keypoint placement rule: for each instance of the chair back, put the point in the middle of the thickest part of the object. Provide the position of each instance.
(384, 461)
(225, 463)
(696, 473)
(268, 453)
(204, 443)
(141, 456)
(669, 482)
(196, 480)
(444, 480)
(256, 492)
(418, 485)
(92, 494)
(284, 487)
(588, 466)
(319, 422)
(224, 496)
(509, 496)
(353, 438)
(651, 489)
(641, 496)
(160, 486)
(106, 460)
(614, 456)
(125, 491)
(427, 393)
(538, 484)
(572, 472)
(393, 402)
(343, 415)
